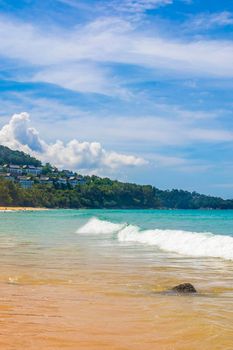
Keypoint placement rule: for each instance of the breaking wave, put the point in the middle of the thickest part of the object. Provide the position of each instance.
(97, 227)
(194, 244)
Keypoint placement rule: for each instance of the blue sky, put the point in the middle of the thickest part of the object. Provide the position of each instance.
(139, 90)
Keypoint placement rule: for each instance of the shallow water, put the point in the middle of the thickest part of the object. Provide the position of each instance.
(69, 281)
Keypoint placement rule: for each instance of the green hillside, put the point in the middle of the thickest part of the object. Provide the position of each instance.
(96, 192)
(8, 156)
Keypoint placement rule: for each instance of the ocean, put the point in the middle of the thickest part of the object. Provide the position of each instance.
(98, 279)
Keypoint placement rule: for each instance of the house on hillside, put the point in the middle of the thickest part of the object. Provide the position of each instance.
(81, 180)
(55, 171)
(61, 181)
(14, 170)
(32, 170)
(45, 180)
(76, 180)
(73, 181)
(7, 176)
(3, 170)
(25, 181)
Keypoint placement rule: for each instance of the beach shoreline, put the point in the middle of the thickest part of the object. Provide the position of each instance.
(83, 281)
(7, 208)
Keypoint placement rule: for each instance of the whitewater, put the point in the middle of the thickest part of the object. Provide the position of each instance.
(193, 244)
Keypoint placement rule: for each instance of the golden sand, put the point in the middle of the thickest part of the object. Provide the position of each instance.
(4, 208)
(110, 308)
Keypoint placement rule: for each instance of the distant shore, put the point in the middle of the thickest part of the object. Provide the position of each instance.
(7, 208)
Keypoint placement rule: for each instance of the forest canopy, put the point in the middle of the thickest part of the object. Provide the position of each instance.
(105, 193)
(16, 157)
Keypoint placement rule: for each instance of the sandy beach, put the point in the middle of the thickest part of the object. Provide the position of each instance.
(4, 208)
(69, 281)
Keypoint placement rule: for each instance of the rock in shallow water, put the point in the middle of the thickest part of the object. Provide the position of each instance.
(184, 288)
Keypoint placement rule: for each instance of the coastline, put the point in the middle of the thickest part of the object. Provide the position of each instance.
(7, 208)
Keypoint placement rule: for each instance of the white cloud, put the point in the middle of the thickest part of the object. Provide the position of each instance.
(210, 20)
(138, 6)
(18, 135)
(155, 130)
(132, 6)
(77, 58)
(74, 154)
(83, 77)
(139, 130)
(77, 4)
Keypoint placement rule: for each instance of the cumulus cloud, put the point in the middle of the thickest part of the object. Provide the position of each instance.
(17, 134)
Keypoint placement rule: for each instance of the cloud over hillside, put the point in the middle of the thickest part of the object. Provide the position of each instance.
(18, 134)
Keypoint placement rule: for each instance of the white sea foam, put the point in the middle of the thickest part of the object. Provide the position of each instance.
(194, 244)
(6, 211)
(183, 242)
(97, 227)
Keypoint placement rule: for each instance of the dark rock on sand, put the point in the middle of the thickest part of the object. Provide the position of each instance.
(184, 288)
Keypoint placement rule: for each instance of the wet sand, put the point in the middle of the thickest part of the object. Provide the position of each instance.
(108, 307)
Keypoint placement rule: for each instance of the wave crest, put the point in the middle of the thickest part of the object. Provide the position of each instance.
(97, 227)
(194, 244)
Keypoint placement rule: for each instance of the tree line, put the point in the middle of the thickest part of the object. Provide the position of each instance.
(104, 193)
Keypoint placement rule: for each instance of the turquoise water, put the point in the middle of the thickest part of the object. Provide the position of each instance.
(186, 232)
(215, 221)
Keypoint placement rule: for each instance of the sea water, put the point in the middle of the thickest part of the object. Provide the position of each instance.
(97, 279)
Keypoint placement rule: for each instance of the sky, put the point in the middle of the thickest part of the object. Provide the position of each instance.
(137, 90)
